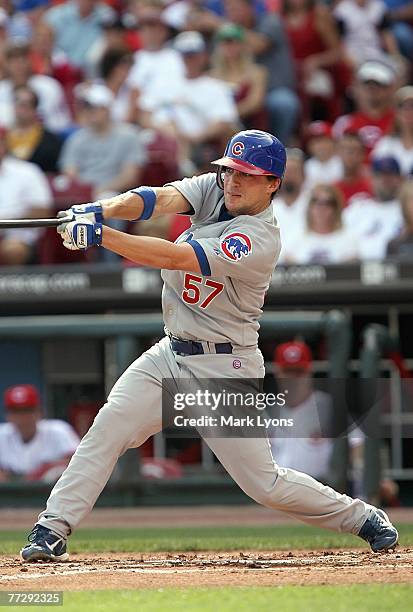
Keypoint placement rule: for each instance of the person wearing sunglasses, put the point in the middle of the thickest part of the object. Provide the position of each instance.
(324, 240)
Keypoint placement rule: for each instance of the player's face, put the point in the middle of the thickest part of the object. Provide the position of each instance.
(296, 382)
(292, 372)
(97, 117)
(25, 421)
(322, 212)
(386, 185)
(25, 108)
(153, 34)
(247, 194)
(405, 114)
(237, 11)
(373, 95)
(322, 147)
(231, 48)
(352, 153)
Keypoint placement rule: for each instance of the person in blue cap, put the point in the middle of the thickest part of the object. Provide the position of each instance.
(378, 219)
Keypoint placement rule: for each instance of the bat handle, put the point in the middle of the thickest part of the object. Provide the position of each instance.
(66, 219)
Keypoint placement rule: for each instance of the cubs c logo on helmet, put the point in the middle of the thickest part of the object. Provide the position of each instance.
(237, 148)
(236, 245)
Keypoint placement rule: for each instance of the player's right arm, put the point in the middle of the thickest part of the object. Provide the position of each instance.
(131, 206)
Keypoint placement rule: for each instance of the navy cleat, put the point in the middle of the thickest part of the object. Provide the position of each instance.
(44, 545)
(379, 532)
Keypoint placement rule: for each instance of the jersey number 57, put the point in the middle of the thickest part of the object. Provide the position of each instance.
(191, 294)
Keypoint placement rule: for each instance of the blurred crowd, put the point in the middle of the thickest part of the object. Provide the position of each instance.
(98, 97)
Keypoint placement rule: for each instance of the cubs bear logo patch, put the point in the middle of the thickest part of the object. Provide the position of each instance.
(236, 245)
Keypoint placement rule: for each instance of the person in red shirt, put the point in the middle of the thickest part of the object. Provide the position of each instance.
(355, 182)
(319, 57)
(32, 447)
(373, 93)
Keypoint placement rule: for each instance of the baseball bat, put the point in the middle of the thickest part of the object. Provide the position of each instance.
(15, 223)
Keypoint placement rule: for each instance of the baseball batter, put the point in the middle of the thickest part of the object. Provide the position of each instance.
(215, 279)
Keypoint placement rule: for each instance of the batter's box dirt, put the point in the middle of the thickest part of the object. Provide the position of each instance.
(121, 571)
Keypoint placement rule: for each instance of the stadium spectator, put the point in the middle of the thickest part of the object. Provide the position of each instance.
(112, 39)
(179, 224)
(318, 55)
(32, 447)
(25, 17)
(379, 219)
(178, 14)
(323, 165)
(399, 144)
(114, 70)
(401, 247)
(28, 139)
(373, 93)
(401, 16)
(24, 193)
(103, 153)
(208, 15)
(356, 182)
(204, 112)
(324, 240)
(155, 64)
(48, 60)
(366, 30)
(53, 109)
(4, 35)
(291, 202)
(233, 63)
(268, 42)
(77, 25)
(305, 446)
(4, 23)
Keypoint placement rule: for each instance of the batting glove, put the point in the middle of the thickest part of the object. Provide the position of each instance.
(92, 211)
(81, 234)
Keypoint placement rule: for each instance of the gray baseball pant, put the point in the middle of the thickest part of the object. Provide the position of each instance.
(132, 413)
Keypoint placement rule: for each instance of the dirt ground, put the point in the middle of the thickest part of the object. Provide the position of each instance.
(246, 568)
(126, 571)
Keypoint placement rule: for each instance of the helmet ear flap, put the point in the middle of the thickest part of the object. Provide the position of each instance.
(220, 177)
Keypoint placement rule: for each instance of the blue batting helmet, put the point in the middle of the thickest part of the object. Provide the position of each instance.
(254, 152)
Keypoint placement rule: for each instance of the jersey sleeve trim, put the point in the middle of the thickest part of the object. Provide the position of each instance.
(175, 185)
(201, 256)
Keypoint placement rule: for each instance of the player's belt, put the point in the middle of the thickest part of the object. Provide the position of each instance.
(191, 347)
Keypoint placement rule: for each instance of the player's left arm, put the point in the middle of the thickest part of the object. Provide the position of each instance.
(134, 205)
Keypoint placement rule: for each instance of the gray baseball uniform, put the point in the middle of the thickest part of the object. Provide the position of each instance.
(221, 305)
(240, 252)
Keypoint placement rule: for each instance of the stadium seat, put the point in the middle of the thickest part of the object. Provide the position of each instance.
(162, 165)
(65, 193)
